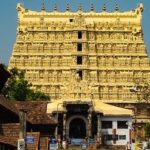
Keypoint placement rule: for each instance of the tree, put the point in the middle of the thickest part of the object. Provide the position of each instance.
(37, 95)
(17, 88)
(4, 75)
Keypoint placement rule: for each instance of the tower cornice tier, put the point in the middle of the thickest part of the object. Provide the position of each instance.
(131, 13)
(26, 16)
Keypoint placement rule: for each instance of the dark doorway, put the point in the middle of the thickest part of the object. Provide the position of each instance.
(79, 60)
(77, 128)
(79, 35)
(79, 47)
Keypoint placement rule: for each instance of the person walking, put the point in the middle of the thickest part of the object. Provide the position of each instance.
(128, 147)
(64, 144)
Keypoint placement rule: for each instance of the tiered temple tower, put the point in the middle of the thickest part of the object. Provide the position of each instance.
(81, 54)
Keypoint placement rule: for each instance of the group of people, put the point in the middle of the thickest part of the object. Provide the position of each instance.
(63, 143)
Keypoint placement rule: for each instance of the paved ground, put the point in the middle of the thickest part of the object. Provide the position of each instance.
(112, 148)
(102, 148)
(99, 149)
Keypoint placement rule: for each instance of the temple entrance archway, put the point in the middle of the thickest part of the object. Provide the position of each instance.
(77, 127)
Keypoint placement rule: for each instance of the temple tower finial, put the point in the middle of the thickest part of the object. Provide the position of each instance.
(92, 7)
(80, 8)
(141, 7)
(104, 7)
(67, 7)
(55, 7)
(116, 7)
(43, 7)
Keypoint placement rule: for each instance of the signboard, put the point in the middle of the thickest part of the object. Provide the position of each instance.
(53, 144)
(30, 140)
(76, 141)
(84, 146)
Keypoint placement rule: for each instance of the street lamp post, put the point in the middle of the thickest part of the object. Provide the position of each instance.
(22, 133)
(56, 131)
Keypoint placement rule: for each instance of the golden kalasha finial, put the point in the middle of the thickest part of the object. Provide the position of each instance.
(67, 8)
(141, 7)
(116, 7)
(43, 7)
(55, 7)
(92, 7)
(104, 7)
(80, 8)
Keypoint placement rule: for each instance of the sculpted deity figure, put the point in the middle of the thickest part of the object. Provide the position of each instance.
(42, 36)
(52, 36)
(29, 36)
(36, 36)
(20, 37)
(55, 75)
(68, 35)
(59, 36)
(99, 36)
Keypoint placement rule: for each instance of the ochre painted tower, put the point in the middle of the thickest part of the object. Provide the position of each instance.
(82, 54)
(82, 59)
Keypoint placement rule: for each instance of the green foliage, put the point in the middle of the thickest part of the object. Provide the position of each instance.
(37, 95)
(17, 88)
(3, 65)
(147, 129)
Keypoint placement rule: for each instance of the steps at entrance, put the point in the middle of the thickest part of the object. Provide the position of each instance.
(71, 147)
(74, 147)
(76, 144)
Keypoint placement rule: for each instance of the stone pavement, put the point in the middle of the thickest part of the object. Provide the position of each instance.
(101, 148)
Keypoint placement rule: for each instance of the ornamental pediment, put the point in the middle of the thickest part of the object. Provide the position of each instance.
(76, 88)
(80, 21)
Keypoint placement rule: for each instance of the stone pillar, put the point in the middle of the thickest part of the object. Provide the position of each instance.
(89, 124)
(64, 124)
(56, 129)
(67, 131)
(99, 127)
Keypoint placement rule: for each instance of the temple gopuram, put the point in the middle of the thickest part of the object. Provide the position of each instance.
(93, 65)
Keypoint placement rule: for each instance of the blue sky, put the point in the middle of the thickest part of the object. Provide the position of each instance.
(8, 17)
